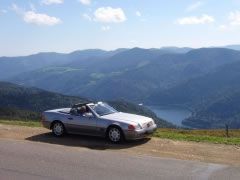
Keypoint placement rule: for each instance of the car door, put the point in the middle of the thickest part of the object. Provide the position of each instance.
(80, 124)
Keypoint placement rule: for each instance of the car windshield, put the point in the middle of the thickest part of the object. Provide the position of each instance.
(103, 109)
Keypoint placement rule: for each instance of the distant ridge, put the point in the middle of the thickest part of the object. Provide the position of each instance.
(170, 75)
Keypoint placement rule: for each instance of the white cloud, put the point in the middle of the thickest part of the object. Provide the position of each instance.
(105, 28)
(87, 17)
(222, 27)
(3, 11)
(194, 6)
(109, 15)
(49, 2)
(17, 9)
(35, 18)
(225, 28)
(138, 14)
(40, 19)
(233, 23)
(234, 18)
(85, 2)
(193, 20)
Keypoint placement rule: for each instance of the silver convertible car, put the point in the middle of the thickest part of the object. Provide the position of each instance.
(98, 119)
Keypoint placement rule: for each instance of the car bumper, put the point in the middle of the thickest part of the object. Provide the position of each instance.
(139, 134)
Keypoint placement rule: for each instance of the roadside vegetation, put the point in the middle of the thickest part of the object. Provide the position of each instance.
(211, 136)
(21, 123)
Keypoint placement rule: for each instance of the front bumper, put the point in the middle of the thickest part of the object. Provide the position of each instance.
(139, 134)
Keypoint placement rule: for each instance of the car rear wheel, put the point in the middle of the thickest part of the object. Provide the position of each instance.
(58, 129)
(115, 134)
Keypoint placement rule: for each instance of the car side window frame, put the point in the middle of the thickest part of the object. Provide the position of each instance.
(93, 112)
(81, 115)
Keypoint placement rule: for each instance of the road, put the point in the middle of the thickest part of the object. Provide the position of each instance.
(20, 159)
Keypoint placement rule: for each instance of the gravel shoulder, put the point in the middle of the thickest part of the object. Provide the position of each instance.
(204, 152)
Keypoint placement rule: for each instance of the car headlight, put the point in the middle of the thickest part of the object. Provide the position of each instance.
(134, 127)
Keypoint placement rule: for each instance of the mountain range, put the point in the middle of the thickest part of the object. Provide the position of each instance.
(199, 79)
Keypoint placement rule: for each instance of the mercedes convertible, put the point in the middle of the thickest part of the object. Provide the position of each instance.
(98, 119)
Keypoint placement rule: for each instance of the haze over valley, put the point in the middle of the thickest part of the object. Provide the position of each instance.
(205, 81)
(120, 89)
(179, 60)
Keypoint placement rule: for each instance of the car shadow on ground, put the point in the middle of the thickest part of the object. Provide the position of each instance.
(96, 143)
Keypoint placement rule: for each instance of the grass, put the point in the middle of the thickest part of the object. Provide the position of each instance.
(210, 136)
(21, 123)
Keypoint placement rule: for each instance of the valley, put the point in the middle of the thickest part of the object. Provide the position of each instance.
(23, 103)
(128, 90)
(204, 80)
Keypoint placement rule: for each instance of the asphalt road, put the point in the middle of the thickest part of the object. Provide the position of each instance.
(34, 160)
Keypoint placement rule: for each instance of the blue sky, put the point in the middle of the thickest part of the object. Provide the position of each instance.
(31, 26)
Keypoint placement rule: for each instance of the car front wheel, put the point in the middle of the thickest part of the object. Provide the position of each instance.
(58, 129)
(115, 135)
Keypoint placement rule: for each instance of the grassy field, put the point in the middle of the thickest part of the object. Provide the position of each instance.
(21, 123)
(210, 136)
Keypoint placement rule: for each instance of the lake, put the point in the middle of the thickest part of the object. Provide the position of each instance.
(175, 115)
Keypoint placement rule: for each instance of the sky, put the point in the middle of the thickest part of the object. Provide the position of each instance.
(32, 26)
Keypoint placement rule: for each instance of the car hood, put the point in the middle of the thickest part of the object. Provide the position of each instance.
(127, 118)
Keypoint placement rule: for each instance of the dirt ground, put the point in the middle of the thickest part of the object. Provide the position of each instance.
(205, 152)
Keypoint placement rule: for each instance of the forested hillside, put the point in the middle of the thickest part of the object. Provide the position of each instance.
(143, 71)
(213, 98)
(217, 112)
(19, 102)
(192, 78)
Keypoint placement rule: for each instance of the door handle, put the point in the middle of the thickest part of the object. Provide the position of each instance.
(70, 118)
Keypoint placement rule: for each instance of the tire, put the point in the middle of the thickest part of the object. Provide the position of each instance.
(58, 129)
(115, 134)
